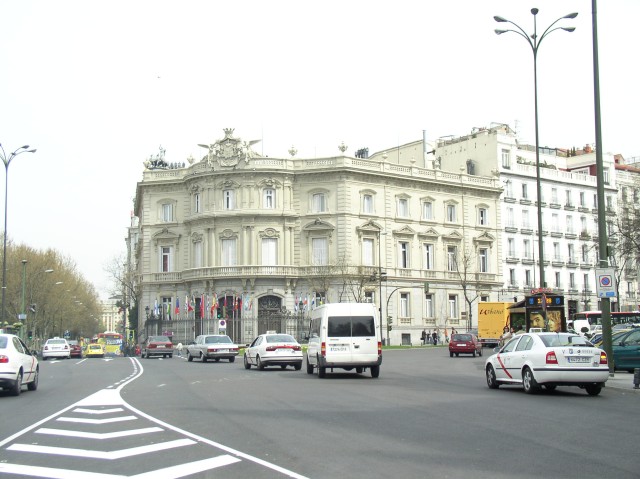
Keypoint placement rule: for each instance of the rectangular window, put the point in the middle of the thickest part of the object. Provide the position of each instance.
(570, 253)
(197, 254)
(512, 277)
(404, 305)
(572, 280)
(269, 198)
(526, 246)
(555, 223)
(556, 251)
(452, 258)
(403, 207)
(428, 252)
(585, 279)
(167, 309)
(166, 259)
(319, 204)
(554, 195)
(453, 306)
(367, 252)
(196, 202)
(428, 305)
(269, 251)
(511, 248)
(483, 217)
(229, 255)
(228, 199)
(167, 212)
(367, 204)
(451, 213)
(569, 224)
(569, 200)
(510, 218)
(508, 189)
(585, 253)
(483, 254)
(427, 210)
(525, 193)
(403, 254)
(582, 202)
(506, 158)
(557, 279)
(527, 278)
(525, 219)
(320, 251)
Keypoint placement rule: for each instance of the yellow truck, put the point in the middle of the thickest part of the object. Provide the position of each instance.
(492, 318)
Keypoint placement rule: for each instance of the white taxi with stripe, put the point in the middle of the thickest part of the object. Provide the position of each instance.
(548, 359)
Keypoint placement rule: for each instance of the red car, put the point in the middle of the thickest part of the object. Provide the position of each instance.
(76, 349)
(465, 343)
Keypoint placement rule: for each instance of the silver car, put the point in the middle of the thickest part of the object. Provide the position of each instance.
(212, 346)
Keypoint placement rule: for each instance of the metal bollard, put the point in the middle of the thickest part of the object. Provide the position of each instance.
(636, 378)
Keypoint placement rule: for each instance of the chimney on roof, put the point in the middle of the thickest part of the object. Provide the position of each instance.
(588, 149)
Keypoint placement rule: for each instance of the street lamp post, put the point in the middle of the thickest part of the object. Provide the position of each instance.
(380, 273)
(24, 288)
(534, 42)
(7, 162)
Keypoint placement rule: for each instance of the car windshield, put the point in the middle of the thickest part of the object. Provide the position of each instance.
(280, 338)
(56, 341)
(73, 343)
(217, 339)
(159, 339)
(560, 339)
(3, 342)
(461, 337)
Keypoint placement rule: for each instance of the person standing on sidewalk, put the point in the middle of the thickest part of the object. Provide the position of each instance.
(424, 337)
(434, 336)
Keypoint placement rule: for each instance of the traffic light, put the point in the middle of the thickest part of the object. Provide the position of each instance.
(30, 335)
(219, 314)
(389, 325)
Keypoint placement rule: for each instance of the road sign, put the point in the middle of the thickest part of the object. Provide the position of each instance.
(605, 283)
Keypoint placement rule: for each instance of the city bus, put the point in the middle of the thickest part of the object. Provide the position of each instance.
(617, 317)
(111, 342)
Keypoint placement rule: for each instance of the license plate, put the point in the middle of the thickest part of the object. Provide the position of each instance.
(338, 349)
(222, 350)
(160, 346)
(579, 359)
(285, 350)
(460, 344)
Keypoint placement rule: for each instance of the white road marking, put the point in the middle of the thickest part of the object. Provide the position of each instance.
(97, 421)
(111, 455)
(97, 435)
(177, 471)
(98, 411)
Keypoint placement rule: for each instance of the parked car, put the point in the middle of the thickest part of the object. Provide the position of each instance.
(19, 365)
(272, 349)
(626, 350)
(465, 343)
(76, 349)
(212, 346)
(157, 346)
(533, 360)
(56, 348)
(94, 350)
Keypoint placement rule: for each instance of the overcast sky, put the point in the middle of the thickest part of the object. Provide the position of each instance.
(98, 86)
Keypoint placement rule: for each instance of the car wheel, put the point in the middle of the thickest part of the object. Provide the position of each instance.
(593, 389)
(217, 360)
(359, 370)
(450, 354)
(259, 363)
(170, 356)
(283, 366)
(17, 386)
(203, 358)
(529, 382)
(232, 359)
(44, 358)
(480, 352)
(297, 366)
(33, 385)
(473, 353)
(457, 355)
(322, 372)
(375, 371)
(247, 365)
(189, 357)
(309, 367)
(492, 382)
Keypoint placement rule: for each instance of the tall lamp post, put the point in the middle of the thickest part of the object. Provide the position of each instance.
(7, 161)
(380, 277)
(534, 42)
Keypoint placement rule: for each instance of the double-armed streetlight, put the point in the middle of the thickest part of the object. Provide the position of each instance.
(534, 42)
(7, 161)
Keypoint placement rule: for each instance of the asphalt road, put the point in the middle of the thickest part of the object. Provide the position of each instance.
(427, 415)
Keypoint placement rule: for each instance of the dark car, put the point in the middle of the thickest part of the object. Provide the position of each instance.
(157, 346)
(465, 343)
(76, 349)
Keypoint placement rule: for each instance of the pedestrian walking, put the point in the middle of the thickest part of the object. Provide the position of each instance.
(434, 336)
(179, 349)
(423, 337)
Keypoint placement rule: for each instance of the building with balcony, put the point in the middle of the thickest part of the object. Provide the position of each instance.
(248, 243)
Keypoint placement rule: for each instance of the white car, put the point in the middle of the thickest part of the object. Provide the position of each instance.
(18, 365)
(272, 349)
(56, 348)
(533, 360)
(212, 346)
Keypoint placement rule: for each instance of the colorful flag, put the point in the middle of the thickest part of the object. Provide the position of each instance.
(177, 306)
(156, 311)
(313, 301)
(189, 305)
(305, 302)
(295, 304)
(202, 306)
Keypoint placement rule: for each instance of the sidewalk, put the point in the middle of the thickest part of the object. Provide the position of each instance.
(621, 380)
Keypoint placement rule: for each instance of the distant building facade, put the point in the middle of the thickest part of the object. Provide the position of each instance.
(235, 239)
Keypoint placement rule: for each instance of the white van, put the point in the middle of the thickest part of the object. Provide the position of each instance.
(344, 336)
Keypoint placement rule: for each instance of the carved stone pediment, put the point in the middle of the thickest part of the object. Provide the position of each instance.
(453, 236)
(404, 231)
(230, 151)
(430, 233)
(318, 225)
(370, 227)
(484, 238)
(164, 236)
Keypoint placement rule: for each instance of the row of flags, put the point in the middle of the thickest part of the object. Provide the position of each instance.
(235, 303)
